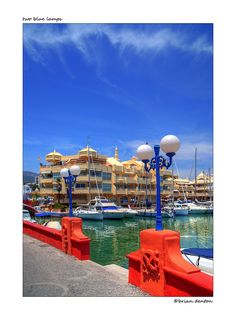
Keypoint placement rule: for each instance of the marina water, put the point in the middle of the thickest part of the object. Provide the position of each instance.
(111, 240)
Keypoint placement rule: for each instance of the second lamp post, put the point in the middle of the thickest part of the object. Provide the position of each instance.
(170, 145)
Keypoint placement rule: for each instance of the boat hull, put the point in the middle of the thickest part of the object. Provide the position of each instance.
(113, 215)
(153, 214)
(180, 212)
(90, 216)
(197, 211)
(129, 215)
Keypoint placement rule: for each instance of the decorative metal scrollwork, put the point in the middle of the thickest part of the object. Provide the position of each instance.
(150, 265)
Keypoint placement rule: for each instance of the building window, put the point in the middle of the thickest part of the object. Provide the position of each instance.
(106, 187)
(56, 175)
(79, 185)
(106, 176)
(96, 173)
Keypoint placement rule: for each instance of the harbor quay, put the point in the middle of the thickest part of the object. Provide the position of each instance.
(48, 272)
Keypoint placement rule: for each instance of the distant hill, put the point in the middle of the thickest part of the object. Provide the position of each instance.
(29, 176)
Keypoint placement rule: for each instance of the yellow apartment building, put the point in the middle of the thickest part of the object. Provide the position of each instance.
(123, 182)
(203, 187)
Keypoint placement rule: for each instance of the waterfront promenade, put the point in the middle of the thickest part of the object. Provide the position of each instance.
(49, 272)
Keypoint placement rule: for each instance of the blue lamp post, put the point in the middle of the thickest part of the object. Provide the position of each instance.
(70, 176)
(170, 145)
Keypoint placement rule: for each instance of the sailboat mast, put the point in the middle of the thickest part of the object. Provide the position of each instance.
(195, 186)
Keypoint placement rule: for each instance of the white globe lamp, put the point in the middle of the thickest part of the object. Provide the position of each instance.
(144, 152)
(75, 170)
(64, 173)
(170, 144)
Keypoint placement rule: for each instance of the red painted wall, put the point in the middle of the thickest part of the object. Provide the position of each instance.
(70, 239)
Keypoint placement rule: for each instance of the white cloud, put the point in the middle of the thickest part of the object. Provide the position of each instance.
(83, 38)
(187, 149)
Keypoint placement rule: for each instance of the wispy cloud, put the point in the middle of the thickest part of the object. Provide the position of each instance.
(186, 152)
(84, 38)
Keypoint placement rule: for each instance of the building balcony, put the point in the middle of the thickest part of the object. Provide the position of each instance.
(140, 192)
(167, 182)
(93, 191)
(44, 191)
(120, 180)
(121, 191)
(165, 192)
(86, 179)
(127, 169)
(117, 168)
(166, 173)
(46, 180)
(131, 192)
(131, 181)
(142, 181)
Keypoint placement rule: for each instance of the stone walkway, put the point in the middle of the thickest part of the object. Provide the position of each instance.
(49, 272)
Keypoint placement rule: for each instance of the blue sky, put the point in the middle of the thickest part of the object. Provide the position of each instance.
(118, 85)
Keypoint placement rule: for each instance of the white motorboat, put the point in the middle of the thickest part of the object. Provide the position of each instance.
(108, 208)
(196, 209)
(177, 209)
(180, 209)
(150, 213)
(88, 214)
(128, 212)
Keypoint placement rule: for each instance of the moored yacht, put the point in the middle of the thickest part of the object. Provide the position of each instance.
(108, 208)
(128, 212)
(195, 208)
(178, 209)
(88, 214)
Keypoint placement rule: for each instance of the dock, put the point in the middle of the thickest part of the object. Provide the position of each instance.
(49, 272)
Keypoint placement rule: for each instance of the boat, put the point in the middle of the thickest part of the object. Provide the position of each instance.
(128, 212)
(88, 214)
(108, 208)
(166, 213)
(149, 213)
(200, 257)
(180, 209)
(152, 213)
(195, 208)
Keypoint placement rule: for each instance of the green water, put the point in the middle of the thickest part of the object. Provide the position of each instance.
(111, 240)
